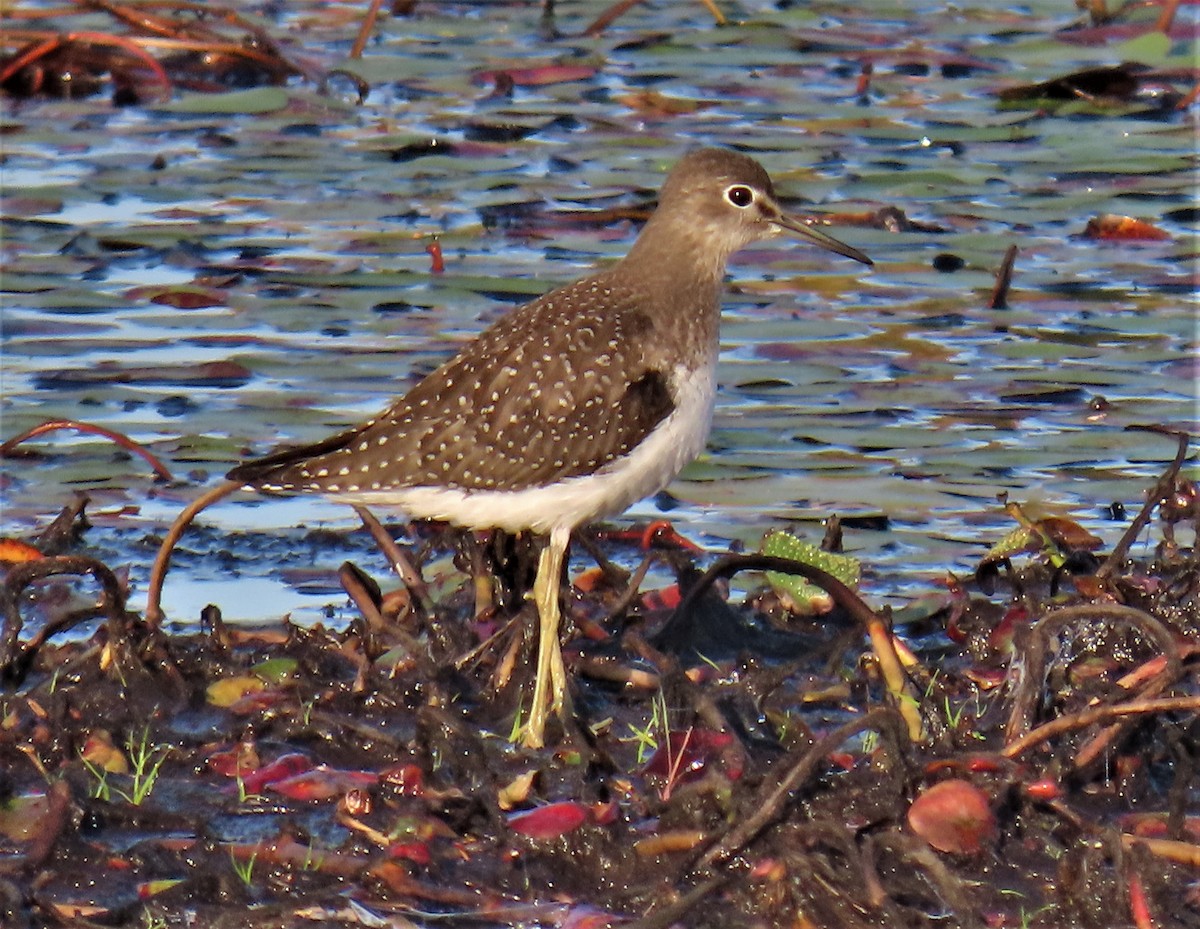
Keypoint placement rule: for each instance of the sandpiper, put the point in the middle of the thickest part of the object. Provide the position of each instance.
(571, 407)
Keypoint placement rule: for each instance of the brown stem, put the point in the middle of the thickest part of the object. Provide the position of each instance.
(1097, 715)
(773, 797)
(873, 624)
(1186, 853)
(53, 425)
(401, 564)
(162, 561)
(629, 594)
(999, 298)
(26, 56)
(610, 15)
(1167, 16)
(364, 31)
(24, 574)
(1160, 490)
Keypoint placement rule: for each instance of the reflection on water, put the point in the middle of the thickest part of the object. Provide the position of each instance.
(891, 390)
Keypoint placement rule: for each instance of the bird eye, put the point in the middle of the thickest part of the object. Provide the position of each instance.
(739, 195)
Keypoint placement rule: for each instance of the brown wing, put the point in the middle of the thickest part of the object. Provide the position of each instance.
(548, 392)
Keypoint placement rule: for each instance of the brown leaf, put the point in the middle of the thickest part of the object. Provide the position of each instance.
(1111, 227)
(953, 816)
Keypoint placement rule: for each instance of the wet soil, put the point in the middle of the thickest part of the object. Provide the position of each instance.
(724, 764)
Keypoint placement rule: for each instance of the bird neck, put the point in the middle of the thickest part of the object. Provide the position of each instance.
(678, 282)
(677, 252)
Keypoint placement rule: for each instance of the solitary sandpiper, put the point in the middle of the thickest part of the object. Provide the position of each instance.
(571, 407)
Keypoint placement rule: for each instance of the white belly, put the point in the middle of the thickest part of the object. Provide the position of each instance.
(647, 469)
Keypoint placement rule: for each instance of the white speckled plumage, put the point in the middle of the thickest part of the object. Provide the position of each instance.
(573, 501)
(571, 407)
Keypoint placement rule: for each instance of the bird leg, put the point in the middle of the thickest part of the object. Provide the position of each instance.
(550, 682)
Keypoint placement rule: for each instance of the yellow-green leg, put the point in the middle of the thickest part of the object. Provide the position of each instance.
(550, 682)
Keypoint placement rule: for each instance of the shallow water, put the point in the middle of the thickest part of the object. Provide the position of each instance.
(889, 390)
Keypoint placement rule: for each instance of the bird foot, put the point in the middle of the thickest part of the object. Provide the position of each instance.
(550, 679)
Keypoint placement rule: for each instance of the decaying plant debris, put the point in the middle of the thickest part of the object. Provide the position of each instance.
(139, 52)
(727, 765)
(1032, 761)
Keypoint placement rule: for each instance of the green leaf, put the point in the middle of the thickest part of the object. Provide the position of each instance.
(1021, 539)
(795, 592)
(275, 670)
(257, 100)
(1151, 48)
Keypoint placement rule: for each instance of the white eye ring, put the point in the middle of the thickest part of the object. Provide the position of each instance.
(739, 195)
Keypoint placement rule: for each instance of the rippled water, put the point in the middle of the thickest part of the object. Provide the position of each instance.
(846, 390)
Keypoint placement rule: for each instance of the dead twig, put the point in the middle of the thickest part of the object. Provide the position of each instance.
(62, 532)
(14, 660)
(162, 560)
(1032, 661)
(629, 594)
(773, 797)
(131, 47)
(357, 586)
(364, 592)
(999, 298)
(1160, 490)
(53, 425)
(400, 562)
(1098, 714)
(874, 625)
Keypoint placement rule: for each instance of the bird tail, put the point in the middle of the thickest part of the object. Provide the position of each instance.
(273, 468)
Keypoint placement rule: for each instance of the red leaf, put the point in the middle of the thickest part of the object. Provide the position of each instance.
(1001, 636)
(550, 821)
(954, 631)
(283, 767)
(416, 852)
(1045, 789)
(323, 783)
(538, 77)
(985, 678)
(408, 779)
(987, 764)
(604, 814)
(665, 599)
(768, 870)
(237, 760)
(687, 754)
(953, 816)
(260, 700)
(181, 298)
